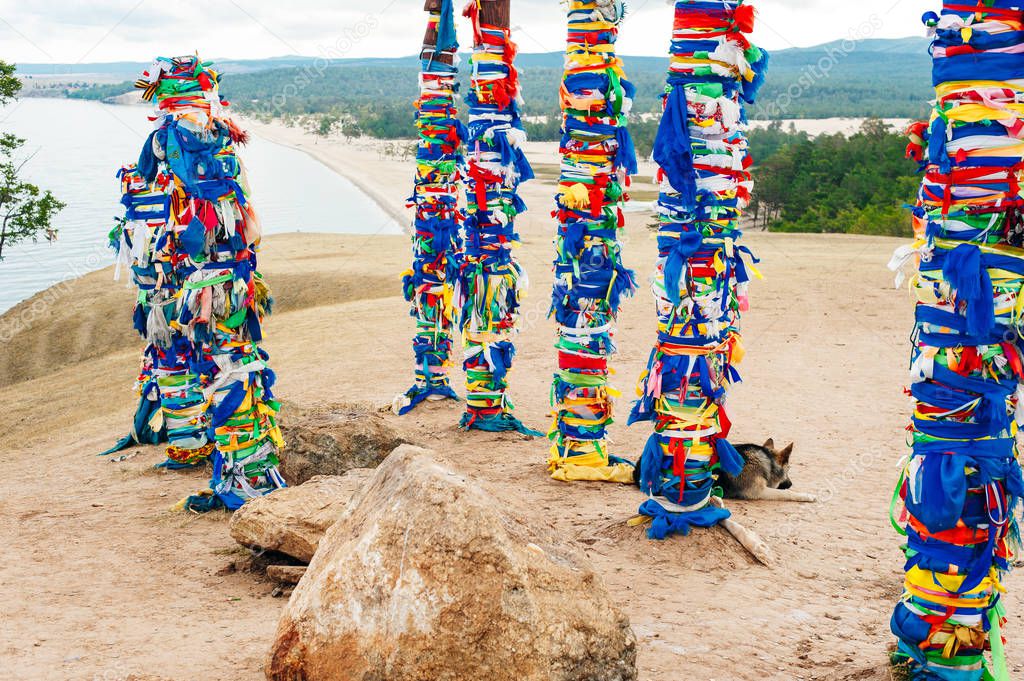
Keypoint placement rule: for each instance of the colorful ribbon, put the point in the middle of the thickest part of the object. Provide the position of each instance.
(590, 279)
(701, 275)
(223, 298)
(430, 284)
(961, 483)
(178, 389)
(140, 241)
(491, 280)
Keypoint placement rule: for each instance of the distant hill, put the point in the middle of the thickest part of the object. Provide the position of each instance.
(120, 69)
(128, 70)
(885, 78)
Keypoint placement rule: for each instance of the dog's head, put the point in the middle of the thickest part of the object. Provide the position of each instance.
(779, 474)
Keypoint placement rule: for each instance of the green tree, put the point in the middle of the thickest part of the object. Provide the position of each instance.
(9, 83)
(325, 125)
(834, 183)
(26, 212)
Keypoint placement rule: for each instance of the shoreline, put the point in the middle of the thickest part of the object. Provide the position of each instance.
(348, 157)
(371, 166)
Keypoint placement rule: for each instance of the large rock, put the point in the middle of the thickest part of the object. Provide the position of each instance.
(424, 578)
(294, 519)
(331, 441)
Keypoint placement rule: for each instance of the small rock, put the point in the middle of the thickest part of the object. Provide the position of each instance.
(333, 441)
(293, 520)
(286, 574)
(229, 569)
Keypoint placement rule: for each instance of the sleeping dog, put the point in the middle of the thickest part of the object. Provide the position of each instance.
(765, 475)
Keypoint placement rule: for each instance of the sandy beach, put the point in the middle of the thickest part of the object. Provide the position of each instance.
(828, 126)
(123, 588)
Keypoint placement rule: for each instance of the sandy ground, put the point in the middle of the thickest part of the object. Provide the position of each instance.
(829, 126)
(99, 580)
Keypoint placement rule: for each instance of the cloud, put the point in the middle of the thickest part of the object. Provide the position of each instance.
(115, 30)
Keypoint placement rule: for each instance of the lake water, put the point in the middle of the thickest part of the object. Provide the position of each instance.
(77, 149)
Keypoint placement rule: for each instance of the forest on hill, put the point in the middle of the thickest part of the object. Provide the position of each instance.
(867, 78)
(833, 183)
(856, 184)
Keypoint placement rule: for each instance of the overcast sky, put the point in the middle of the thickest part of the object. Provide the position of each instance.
(136, 30)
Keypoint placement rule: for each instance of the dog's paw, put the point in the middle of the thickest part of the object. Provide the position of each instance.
(760, 551)
(805, 498)
(751, 542)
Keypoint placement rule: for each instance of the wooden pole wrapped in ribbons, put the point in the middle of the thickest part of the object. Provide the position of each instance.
(701, 274)
(430, 284)
(492, 282)
(224, 298)
(961, 485)
(590, 279)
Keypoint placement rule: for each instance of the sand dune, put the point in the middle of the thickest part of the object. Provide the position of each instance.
(105, 582)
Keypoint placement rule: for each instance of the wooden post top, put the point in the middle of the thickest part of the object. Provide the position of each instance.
(430, 38)
(492, 12)
(496, 13)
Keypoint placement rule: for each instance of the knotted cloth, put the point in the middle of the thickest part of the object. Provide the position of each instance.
(701, 274)
(956, 498)
(223, 298)
(590, 279)
(140, 240)
(430, 284)
(492, 282)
